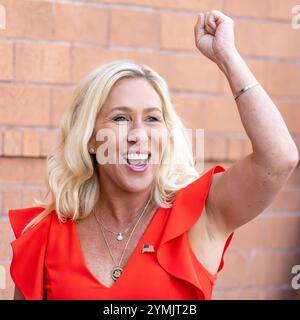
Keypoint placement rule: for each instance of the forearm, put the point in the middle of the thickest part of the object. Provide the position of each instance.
(271, 141)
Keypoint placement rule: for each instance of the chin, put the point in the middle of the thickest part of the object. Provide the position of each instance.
(136, 182)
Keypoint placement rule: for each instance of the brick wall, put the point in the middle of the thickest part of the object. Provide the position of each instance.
(48, 46)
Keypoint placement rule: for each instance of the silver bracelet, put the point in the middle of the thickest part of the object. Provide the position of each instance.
(246, 88)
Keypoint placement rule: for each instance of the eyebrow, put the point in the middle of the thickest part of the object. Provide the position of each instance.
(125, 108)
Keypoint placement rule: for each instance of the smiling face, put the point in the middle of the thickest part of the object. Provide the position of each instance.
(131, 121)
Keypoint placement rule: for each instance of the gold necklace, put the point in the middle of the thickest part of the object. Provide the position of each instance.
(117, 270)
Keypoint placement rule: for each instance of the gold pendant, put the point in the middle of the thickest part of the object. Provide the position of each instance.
(116, 272)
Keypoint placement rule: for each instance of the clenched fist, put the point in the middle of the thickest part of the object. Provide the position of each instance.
(214, 35)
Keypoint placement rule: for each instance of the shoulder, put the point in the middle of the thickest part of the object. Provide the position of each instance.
(182, 226)
(29, 248)
(20, 217)
(190, 201)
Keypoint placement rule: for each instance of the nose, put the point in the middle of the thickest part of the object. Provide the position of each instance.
(138, 133)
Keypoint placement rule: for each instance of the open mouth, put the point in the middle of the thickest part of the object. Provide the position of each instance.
(137, 160)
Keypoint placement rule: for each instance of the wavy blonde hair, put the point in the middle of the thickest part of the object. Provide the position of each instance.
(72, 176)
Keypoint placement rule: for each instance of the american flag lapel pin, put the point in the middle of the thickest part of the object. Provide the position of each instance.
(148, 248)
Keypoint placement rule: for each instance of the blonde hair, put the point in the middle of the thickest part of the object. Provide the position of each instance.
(71, 170)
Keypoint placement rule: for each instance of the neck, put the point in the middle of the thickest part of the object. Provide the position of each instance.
(119, 209)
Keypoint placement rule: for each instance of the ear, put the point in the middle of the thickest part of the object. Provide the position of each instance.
(92, 141)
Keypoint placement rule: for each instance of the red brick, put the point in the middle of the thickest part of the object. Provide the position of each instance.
(260, 268)
(198, 5)
(279, 40)
(28, 19)
(256, 8)
(6, 236)
(22, 171)
(282, 79)
(286, 199)
(198, 148)
(29, 195)
(186, 72)
(173, 4)
(258, 293)
(234, 152)
(7, 294)
(12, 199)
(281, 9)
(271, 232)
(80, 23)
(35, 172)
(247, 147)
(234, 273)
(272, 268)
(221, 115)
(177, 31)
(279, 294)
(190, 109)
(13, 142)
(24, 105)
(297, 142)
(294, 179)
(49, 140)
(182, 72)
(289, 111)
(236, 294)
(92, 57)
(43, 63)
(6, 61)
(215, 148)
(31, 144)
(1, 143)
(134, 28)
(61, 99)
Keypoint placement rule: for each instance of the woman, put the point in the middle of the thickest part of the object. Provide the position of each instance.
(130, 217)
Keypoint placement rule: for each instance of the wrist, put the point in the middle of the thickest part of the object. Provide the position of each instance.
(229, 59)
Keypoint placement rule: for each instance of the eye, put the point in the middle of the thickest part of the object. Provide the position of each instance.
(118, 117)
(155, 119)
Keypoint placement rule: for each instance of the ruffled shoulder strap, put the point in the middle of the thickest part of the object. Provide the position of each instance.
(27, 265)
(174, 252)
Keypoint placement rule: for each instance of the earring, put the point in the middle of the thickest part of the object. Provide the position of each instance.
(92, 150)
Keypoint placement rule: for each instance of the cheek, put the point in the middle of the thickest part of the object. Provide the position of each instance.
(163, 139)
(108, 142)
(111, 137)
(159, 143)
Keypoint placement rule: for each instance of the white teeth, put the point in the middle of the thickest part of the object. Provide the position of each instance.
(136, 156)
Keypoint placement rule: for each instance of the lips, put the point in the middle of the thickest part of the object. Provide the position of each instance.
(136, 168)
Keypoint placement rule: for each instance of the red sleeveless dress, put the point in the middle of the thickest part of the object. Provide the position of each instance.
(48, 261)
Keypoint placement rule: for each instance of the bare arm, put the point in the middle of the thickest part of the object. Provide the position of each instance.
(250, 185)
(18, 295)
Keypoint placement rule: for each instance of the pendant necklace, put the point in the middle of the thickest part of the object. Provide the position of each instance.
(117, 270)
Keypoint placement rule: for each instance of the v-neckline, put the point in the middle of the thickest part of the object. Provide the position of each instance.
(129, 261)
